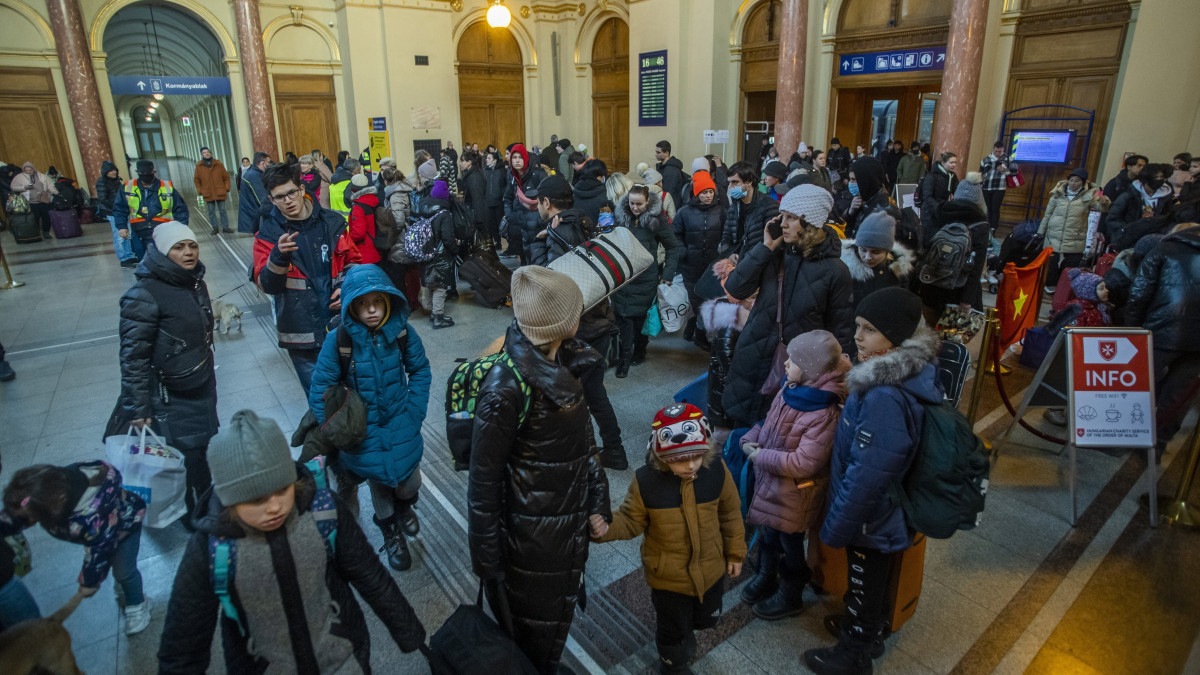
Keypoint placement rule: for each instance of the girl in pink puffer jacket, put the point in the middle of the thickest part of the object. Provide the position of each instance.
(790, 450)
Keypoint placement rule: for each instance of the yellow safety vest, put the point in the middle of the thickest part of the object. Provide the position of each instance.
(337, 198)
(166, 202)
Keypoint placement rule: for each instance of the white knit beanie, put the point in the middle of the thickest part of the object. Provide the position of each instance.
(170, 233)
(810, 201)
(700, 164)
(546, 304)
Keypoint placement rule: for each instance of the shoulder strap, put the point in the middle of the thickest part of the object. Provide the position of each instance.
(223, 560)
(345, 350)
(525, 390)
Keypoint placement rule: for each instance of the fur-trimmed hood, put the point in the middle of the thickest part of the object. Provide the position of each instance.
(900, 261)
(624, 216)
(907, 367)
(720, 314)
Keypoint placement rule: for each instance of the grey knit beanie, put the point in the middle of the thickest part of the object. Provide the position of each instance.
(249, 458)
(810, 201)
(815, 353)
(877, 230)
(546, 304)
(971, 189)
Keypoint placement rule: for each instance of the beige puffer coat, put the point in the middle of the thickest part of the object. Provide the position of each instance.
(1065, 222)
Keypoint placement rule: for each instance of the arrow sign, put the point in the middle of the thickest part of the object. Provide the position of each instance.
(845, 64)
(1113, 350)
(141, 85)
(941, 58)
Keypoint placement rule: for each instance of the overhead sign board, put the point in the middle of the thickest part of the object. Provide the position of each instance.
(652, 89)
(177, 86)
(712, 136)
(900, 61)
(1112, 388)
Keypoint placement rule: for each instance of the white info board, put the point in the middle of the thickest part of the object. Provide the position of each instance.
(1112, 387)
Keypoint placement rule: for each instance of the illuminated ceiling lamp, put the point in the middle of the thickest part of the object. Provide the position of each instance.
(154, 104)
(147, 118)
(158, 97)
(498, 15)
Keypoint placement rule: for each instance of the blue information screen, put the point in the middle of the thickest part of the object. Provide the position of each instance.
(900, 61)
(652, 89)
(1048, 147)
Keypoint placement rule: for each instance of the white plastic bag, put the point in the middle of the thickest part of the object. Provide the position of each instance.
(153, 470)
(673, 305)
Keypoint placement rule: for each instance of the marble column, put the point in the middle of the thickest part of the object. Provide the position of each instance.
(960, 81)
(789, 88)
(254, 74)
(75, 60)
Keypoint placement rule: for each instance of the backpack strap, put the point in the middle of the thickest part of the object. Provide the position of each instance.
(222, 554)
(525, 390)
(345, 350)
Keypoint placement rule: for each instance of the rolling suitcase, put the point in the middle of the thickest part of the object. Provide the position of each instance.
(490, 279)
(829, 572)
(65, 223)
(24, 228)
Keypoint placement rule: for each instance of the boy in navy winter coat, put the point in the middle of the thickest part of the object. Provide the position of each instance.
(388, 368)
(876, 441)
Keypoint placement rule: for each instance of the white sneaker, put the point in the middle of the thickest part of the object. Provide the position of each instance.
(1049, 290)
(991, 277)
(137, 617)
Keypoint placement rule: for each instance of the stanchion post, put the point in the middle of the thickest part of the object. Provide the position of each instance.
(10, 284)
(1176, 510)
(990, 328)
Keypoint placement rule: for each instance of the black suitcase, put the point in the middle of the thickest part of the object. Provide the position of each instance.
(490, 278)
(24, 228)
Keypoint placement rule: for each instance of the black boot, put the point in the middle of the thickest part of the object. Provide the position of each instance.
(623, 368)
(614, 458)
(834, 623)
(674, 658)
(850, 656)
(394, 544)
(702, 341)
(765, 581)
(408, 519)
(689, 331)
(639, 356)
(440, 321)
(787, 601)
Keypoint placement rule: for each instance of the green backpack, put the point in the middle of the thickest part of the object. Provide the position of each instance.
(462, 391)
(945, 487)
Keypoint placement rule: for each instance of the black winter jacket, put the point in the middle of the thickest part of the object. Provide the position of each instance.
(651, 229)
(969, 214)
(673, 177)
(935, 188)
(474, 186)
(740, 237)
(107, 190)
(497, 180)
(440, 270)
(699, 228)
(816, 292)
(590, 197)
(839, 161)
(192, 614)
(167, 369)
(1127, 209)
(572, 230)
(1165, 296)
(532, 488)
(522, 222)
(724, 322)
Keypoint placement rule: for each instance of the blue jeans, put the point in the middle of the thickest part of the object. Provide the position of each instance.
(121, 246)
(139, 245)
(16, 604)
(305, 362)
(215, 207)
(125, 569)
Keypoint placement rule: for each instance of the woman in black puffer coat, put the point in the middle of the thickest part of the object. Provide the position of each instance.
(533, 486)
(521, 212)
(867, 177)
(590, 195)
(167, 375)
(698, 227)
(497, 181)
(631, 303)
(805, 263)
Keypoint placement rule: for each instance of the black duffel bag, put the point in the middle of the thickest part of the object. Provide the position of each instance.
(471, 642)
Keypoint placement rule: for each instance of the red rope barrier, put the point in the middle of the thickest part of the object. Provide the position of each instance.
(1004, 397)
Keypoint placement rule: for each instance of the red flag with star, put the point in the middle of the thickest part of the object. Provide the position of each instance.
(1017, 299)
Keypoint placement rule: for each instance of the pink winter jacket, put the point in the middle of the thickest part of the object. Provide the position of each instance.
(794, 448)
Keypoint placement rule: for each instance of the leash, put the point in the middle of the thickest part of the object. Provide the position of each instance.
(230, 291)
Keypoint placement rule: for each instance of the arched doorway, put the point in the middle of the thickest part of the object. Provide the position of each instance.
(610, 94)
(155, 40)
(760, 72)
(491, 88)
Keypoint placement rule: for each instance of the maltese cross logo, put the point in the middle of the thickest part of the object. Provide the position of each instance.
(1108, 349)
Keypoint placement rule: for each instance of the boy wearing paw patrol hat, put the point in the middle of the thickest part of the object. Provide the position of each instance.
(683, 495)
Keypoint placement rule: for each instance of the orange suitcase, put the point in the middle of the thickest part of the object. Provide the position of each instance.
(829, 572)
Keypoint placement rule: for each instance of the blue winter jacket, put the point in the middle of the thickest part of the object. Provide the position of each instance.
(251, 202)
(394, 383)
(876, 441)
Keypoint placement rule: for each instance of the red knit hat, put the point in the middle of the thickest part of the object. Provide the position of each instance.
(701, 181)
(680, 431)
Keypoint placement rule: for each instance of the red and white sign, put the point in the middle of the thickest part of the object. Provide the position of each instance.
(1112, 388)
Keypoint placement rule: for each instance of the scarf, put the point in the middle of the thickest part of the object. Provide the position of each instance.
(807, 399)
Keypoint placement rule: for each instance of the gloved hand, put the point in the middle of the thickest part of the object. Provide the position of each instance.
(751, 450)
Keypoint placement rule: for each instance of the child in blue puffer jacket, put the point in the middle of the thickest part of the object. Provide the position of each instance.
(876, 440)
(388, 368)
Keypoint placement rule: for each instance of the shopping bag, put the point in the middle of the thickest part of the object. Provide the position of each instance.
(1014, 180)
(153, 470)
(673, 305)
(653, 324)
(472, 642)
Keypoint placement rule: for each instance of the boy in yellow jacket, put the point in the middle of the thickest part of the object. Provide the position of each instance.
(686, 503)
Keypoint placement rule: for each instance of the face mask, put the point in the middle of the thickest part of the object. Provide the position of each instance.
(146, 177)
(1153, 185)
(737, 192)
(853, 187)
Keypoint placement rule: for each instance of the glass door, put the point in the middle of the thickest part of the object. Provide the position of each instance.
(925, 122)
(883, 124)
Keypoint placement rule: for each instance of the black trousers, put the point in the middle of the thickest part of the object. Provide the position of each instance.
(677, 616)
(631, 335)
(195, 464)
(1175, 373)
(41, 214)
(993, 199)
(597, 396)
(869, 573)
(789, 547)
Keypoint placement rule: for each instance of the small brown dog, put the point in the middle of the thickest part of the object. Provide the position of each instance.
(40, 645)
(225, 313)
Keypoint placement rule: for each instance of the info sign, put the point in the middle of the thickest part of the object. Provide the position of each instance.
(1112, 388)
(652, 89)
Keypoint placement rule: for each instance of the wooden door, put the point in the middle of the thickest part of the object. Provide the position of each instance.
(491, 88)
(610, 95)
(307, 111)
(33, 123)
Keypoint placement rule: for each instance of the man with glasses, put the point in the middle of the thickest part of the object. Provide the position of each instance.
(295, 261)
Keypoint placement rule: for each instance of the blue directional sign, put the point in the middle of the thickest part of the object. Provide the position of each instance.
(176, 86)
(902, 61)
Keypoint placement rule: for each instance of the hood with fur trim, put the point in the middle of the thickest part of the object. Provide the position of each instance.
(901, 261)
(624, 216)
(720, 314)
(904, 367)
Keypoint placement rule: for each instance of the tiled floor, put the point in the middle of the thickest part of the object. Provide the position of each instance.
(1024, 561)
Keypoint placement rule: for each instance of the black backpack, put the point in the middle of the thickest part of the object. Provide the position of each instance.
(948, 257)
(464, 222)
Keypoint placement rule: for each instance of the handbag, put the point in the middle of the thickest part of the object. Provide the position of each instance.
(1014, 180)
(152, 470)
(775, 377)
(604, 264)
(472, 642)
(652, 326)
(17, 203)
(956, 325)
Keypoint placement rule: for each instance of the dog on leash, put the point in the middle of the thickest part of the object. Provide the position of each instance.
(225, 313)
(40, 645)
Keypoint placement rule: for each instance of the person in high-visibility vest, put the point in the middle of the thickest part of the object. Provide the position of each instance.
(339, 183)
(143, 204)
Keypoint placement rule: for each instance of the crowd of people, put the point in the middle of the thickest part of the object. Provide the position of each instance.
(812, 291)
